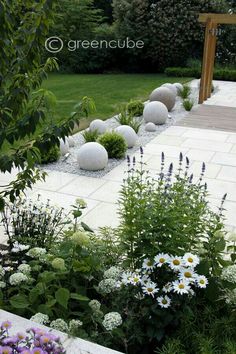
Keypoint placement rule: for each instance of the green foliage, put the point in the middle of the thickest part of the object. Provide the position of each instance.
(51, 155)
(26, 26)
(135, 108)
(226, 74)
(114, 143)
(188, 104)
(126, 118)
(90, 135)
(185, 92)
(165, 213)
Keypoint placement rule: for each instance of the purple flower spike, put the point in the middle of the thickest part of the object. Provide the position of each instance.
(134, 161)
(141, 150)
(181, 157)
(187, 161)
(162, 157)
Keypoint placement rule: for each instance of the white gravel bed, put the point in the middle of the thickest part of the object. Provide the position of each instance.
(70, 164)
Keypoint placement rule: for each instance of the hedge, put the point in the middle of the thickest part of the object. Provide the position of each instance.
(219, 74)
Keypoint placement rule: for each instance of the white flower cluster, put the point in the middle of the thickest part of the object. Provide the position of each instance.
(2, 284)
(109, 283)
(2, 271)
(74, 325)
(95, 305)
(112, 320)
(112, 273)
(229, 274)
(18, 278)
(230, 297)
(184, 277)
(36, 252)
(18, 247)
(40, 318)
(24, 268)
(60, 325)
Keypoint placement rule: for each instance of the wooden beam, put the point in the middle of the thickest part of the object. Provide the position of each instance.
(218, 18)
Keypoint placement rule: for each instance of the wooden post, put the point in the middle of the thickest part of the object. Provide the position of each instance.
(205, 63)
(212, 58)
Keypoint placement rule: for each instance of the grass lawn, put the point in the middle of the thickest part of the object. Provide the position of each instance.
(109, 91)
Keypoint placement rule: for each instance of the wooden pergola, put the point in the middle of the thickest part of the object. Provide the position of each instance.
(211, 22)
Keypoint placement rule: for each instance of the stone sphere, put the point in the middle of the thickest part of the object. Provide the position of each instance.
(155, 112)
(92, 157)
(150, 127)
(128, 134)
(64, 147)
(164, 95)
(98, 125)
(71, 141)
(179, 86)
(171, 87)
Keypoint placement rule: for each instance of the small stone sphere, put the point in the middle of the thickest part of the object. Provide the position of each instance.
(92, 157)
(98, 125)
(71, 141)
(171, 87)
(128, 134)
(150, 127)
(155, 112)
(64, 147)
(164, 95)
(179, 86)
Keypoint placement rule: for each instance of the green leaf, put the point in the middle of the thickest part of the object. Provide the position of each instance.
(79, 297)
(62, 296)
(19, 301)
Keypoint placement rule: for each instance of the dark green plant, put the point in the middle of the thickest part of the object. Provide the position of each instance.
(185, 92)
(135, 108)
(51, 155)
(90, 135)
(168, 214)
(188, 104)
(22, 113)
(227, 74)
(114, 143)
(125, 118)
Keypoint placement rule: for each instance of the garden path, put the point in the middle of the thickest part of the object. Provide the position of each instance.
(216, 148)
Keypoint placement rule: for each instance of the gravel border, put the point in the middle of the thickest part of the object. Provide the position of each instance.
(70, 164)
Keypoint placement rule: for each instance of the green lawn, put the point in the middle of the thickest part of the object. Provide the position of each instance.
(108, 90)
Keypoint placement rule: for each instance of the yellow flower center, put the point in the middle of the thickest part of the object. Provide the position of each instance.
(136, 280)
(176, 262)
(190, 260)
(150, 290)
(202, 281)
(181, 286)
(162, 260)
(188, 275)
(164, 301)
(149, 264)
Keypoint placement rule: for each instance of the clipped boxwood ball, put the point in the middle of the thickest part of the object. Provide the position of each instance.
(92, 157)
(155, 112)
(165, 96)
(114, 144)
(135, 108)
(170, 87)
(129, 135)
(98, 125)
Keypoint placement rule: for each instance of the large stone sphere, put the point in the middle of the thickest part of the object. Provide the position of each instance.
(92, 157)
(164, 95)
(128, 134)
(150, 127)
(179, 86)
(155, 112)
(64, 147)
(171, 87)
(98, 125)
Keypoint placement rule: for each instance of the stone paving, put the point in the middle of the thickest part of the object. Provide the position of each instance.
(216, 148)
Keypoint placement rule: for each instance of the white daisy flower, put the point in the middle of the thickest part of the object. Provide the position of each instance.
(164, 301)
(150, 289)
(187, 274)
(145, 279)
(126, 278)
(191, 260)
(201, 281)
(167, 288)
(148, 264)
(135, 279)
(175, 263)
(161, 259)
(181, 287)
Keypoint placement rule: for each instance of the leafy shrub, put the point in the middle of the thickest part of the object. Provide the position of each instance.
(90, 135)
(135, 108)
(51, 155)
(165, 213)
(219, 74)
(125, 118)
(185, 92)
(188, 104)
(114, 143)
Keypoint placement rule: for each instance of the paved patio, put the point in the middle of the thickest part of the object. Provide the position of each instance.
(216, 148)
